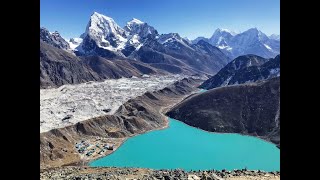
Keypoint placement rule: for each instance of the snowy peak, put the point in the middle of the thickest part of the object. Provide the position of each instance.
(222, 30)
(101, 26)
(142, 29)
(221, 38)
(135, 21)
(251, 41)
(102, 32)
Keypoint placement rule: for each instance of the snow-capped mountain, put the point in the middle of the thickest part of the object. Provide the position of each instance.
(104, 37)
(221, 38)
(141, 29)
(139, 41)
(252, 41)
(138, 32)
(53, 39)
(102, 33)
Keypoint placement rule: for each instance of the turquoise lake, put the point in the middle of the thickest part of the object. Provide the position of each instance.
(185, 147)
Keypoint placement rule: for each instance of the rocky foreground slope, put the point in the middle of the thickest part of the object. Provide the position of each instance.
(251, 109)
(148, 174)
(138, 115)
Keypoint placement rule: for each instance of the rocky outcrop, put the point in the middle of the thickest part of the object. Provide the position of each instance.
(136, 116)
(147, 174)
(252, 109)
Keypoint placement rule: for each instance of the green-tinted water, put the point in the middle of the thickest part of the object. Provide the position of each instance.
(182, 146)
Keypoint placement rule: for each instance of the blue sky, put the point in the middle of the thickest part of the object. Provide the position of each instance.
(189, 18)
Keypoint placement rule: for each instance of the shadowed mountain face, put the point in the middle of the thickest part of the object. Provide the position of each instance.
(252, 109)
(59, 67)
(119, 68)
(200, 57)
(244, 69)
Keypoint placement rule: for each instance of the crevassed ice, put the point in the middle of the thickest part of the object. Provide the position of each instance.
(69, 104)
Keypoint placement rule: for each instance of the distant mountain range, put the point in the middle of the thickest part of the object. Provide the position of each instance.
(140, 41)
(244, 69)
(252, 41)
(104, 43)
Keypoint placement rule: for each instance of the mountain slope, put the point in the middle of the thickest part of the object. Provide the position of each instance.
(249, 68)
(252, 109)
(53, 39)
(58, 67)
(174, 50)
(119, 68)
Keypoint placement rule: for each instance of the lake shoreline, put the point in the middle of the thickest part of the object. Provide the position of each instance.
(162, 111)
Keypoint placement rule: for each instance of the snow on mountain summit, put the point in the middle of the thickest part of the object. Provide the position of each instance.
(103, 36)
(226, 30)
(102, 29)
(136, 21)
(251, 41)
(142, 29)
(100, 24)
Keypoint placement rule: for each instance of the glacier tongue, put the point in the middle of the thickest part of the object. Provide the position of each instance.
(70, 104)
